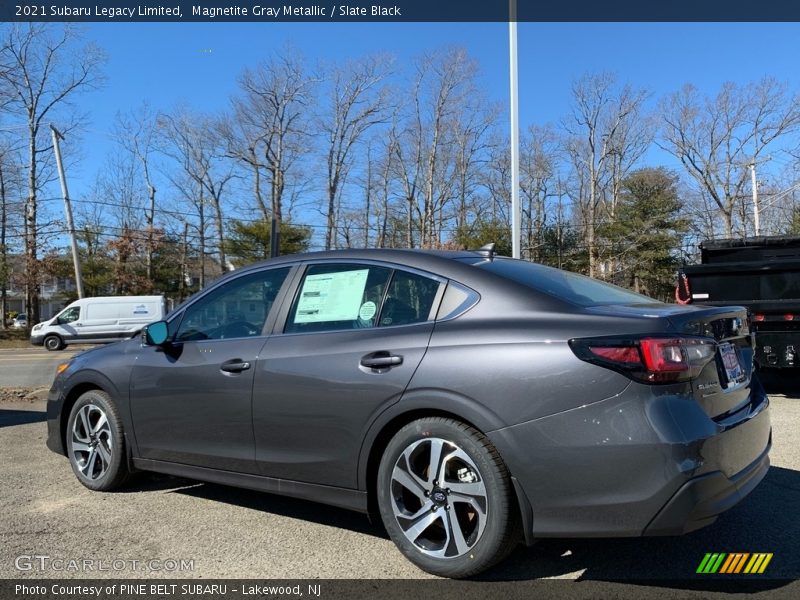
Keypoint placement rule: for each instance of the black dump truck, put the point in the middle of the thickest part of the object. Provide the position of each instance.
(760, 273)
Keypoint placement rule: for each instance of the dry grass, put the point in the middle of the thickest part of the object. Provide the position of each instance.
(14, 338)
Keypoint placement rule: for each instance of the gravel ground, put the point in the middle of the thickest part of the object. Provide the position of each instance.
(228, 532)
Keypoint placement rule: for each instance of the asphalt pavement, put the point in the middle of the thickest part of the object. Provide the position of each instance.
(31, 367)
(234, 533)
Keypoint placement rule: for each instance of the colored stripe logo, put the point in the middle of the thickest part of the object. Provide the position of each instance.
(734, 562)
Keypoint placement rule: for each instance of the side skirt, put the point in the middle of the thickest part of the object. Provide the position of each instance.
(343, 498)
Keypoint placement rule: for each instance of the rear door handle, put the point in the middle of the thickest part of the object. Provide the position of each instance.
(381, 360)
(234, 366)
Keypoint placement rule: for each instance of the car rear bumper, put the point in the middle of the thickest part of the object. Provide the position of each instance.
(699, 501)
(648, 461)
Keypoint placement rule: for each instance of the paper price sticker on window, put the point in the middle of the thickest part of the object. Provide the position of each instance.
(331, 297)
(367, 311)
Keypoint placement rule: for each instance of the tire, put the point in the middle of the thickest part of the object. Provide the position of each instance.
(471, 484)
(96, 442)
(53, 342)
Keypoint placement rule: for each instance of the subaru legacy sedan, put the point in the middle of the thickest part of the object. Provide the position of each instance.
(469, 401)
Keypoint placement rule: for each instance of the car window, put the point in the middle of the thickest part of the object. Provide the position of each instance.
(572, 287)
(238, 308)
(338, 296)
(409, 299)
(70, 315)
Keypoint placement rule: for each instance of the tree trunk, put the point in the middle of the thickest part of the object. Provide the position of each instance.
(150, 217)
(220, 233)
(31, 263)
(184, 267)
(4, 251)
(202, 241)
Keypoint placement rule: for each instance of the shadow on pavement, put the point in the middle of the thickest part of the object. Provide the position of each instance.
(287, 507)
(765, 521)
(779, 381)
(9, 417)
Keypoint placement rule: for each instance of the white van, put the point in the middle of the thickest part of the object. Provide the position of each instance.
(98, 321)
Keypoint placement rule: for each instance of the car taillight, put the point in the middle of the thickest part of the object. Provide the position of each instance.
(788, 317)
(759, 318)
(650, 359)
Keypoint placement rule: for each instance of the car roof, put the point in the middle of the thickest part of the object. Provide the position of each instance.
(442, 262)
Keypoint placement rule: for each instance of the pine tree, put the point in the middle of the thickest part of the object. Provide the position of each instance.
(642, 241)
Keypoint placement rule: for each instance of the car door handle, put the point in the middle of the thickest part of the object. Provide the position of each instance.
(381, 360)
(234, 366)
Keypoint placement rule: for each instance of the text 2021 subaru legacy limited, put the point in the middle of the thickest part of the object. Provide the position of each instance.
(472, 401)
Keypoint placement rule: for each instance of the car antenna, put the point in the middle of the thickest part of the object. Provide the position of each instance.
(487, 250)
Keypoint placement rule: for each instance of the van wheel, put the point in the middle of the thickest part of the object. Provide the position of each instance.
(53, 342)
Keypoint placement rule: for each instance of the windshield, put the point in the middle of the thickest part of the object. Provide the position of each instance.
(571, 287)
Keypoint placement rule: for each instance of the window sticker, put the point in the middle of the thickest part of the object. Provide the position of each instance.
(367, 311)
(331, 297)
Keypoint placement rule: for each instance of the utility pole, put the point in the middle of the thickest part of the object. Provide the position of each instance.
(756, 222)
(68, 210)
(512, 55)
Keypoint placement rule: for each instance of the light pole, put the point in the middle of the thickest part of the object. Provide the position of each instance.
(512, 55)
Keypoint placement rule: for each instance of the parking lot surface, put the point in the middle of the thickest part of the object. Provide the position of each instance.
(228, 532)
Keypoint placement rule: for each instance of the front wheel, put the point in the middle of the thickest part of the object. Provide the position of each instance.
(53, 342)
(95, 442)
(445, 498)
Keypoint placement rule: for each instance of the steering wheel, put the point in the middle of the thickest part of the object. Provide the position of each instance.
(238, 329)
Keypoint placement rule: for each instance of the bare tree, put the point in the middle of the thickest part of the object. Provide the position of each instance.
(606, 135)
(43, 70)
(10, 174)
(358, 101)
(442, 104)
(272, 114)
(191, 141)
(538, 185)
(137, 132)
(716, 139)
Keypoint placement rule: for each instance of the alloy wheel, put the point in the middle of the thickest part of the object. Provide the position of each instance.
(92, 442)
(439, 498)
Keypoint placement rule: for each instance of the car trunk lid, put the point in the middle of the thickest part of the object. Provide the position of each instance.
(723, 385)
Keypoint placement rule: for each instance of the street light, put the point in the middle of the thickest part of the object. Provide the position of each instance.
(514, 94)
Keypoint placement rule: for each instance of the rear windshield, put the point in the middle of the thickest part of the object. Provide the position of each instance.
(561, 284)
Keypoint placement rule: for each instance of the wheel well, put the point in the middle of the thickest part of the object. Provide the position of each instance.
(382, 440)
(69, 402)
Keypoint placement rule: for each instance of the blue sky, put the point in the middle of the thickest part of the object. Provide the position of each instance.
(199, 62)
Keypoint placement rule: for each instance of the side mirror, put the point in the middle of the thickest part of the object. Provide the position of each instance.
(155, 334)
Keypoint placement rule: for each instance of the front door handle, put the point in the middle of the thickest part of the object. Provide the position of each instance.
(234, 366)
(381, 360)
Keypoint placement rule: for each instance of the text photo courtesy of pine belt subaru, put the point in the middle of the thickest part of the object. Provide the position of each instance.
(472, 401)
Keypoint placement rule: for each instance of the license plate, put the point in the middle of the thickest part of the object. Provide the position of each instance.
(730, 360)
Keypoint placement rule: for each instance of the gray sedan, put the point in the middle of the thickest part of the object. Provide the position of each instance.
(470, 401)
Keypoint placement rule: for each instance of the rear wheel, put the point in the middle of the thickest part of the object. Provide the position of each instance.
(53, 342)
(445, 498)
(95, 442)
